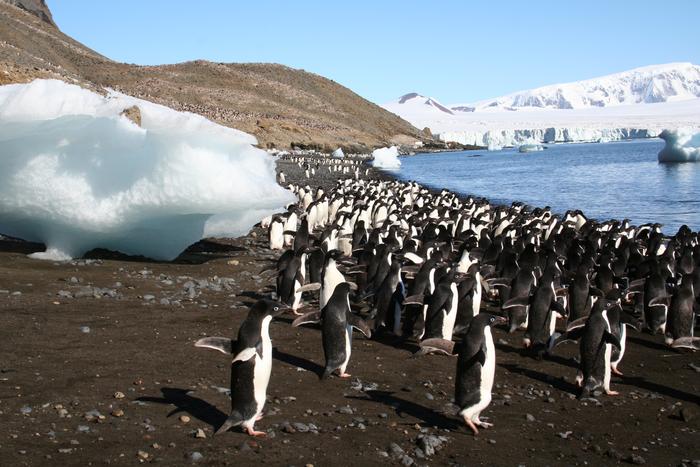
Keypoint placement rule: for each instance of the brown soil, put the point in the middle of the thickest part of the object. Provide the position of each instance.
(281, 106)
(53, 374)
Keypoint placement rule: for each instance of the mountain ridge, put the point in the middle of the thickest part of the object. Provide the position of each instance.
(279, 105)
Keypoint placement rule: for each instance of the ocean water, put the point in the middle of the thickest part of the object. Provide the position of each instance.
(605, 180)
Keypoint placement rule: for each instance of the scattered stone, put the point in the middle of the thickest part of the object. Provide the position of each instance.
(119, 395)
(346, 409)
(83, 429)
(117, 413)
(300, 427)
(636, 459)
(143, 455)
(529, 417)
(26, 410)
(149, 297)
(565, 434)
(196, 456)
(85, 329)
(199, 433)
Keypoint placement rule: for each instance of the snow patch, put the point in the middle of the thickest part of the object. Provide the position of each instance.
(76, 175)
(386, 158)
(681, 146)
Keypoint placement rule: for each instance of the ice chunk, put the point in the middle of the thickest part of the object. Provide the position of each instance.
(530, 146)
(76, 175)
(682, 145)
(386, 158)
(338, 153)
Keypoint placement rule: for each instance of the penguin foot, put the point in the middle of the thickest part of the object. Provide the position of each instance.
(259, 417)
(616, 371)
(344, 375)
(471, 425)
(611, 393)
(257, 434)
(483, 424)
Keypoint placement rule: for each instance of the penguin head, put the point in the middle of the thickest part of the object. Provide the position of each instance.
(263, 308)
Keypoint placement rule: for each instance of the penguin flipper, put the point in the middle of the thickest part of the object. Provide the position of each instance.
(245, 354)
(222, 344)
(307, 318)
(414, 300)
(359, 324)
(611, 338)
(309, 287)
(437, 345)
(686, 343)
(579, 323)
(233, 420)
(516, 301)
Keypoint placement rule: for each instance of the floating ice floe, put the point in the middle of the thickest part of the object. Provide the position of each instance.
(530, 147)
(682, 145)
(76, 175)
(386, 158)
(338, 153)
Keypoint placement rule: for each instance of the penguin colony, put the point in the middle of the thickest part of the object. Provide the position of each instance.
(396, 261)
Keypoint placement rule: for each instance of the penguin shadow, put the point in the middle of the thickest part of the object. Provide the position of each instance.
(557, 383)
(642, 383)
(527, 353)
(397, 342)
(648, 343)
(428, 416)
(184, 402)
(297, 362)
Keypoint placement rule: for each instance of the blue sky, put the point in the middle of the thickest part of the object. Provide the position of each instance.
(456, 51)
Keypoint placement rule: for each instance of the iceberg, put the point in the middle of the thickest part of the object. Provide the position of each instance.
(75, 174)
(530, 146)
(682, 145)
(386, 158)
(338, 153)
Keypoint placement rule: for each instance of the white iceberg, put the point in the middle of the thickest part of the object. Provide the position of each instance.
(76, 175)
(530, 146)
(386, 158)
(682, 145)
(338, 153)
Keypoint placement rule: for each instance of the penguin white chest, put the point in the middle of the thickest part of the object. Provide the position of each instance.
(448, 322)
(489, 368)
(263, 366)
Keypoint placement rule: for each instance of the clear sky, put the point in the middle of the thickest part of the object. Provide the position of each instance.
(455, 51)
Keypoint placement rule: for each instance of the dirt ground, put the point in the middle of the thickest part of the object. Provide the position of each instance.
(98, 367)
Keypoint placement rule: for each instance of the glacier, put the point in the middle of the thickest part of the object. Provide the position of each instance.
(681, 145)
(76, 175)
(638, 103)
(386, 158)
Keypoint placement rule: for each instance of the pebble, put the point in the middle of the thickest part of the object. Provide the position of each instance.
(637, 459)
(300, 427)
(149, 297)
(26, 410)
(346, 409)
(529, 417)
(83, 429)
(119, 395)
(184, 419)
(117, 413)
(199, 433)
(196, 456)
(143, 455)
(687, 414)
(85, 329)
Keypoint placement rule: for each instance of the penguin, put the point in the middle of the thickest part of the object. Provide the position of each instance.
(276, 233)
(442, 308)
(292, 278)
(680, 315)
(476, 367)
(251, 365)
(390, 296)
(337, 323)
(596, 344)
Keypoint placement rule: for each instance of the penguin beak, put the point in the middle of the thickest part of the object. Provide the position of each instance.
(501, 320)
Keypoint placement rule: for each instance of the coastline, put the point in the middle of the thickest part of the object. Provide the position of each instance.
(70, 357)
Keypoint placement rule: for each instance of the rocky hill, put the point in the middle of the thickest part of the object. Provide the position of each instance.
(281, 106)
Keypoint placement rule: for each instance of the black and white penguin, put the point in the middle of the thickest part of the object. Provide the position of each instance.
(680, 315)
(476, 367)
(251, 365)
(276, 233)
(596, 345)
(337, 323)
(292, 278)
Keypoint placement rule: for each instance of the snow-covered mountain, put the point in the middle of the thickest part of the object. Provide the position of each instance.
(635, 103)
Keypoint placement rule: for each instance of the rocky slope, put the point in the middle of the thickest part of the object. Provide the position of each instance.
(281, 106)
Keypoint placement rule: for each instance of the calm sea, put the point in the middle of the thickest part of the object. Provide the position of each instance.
(605, 180)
